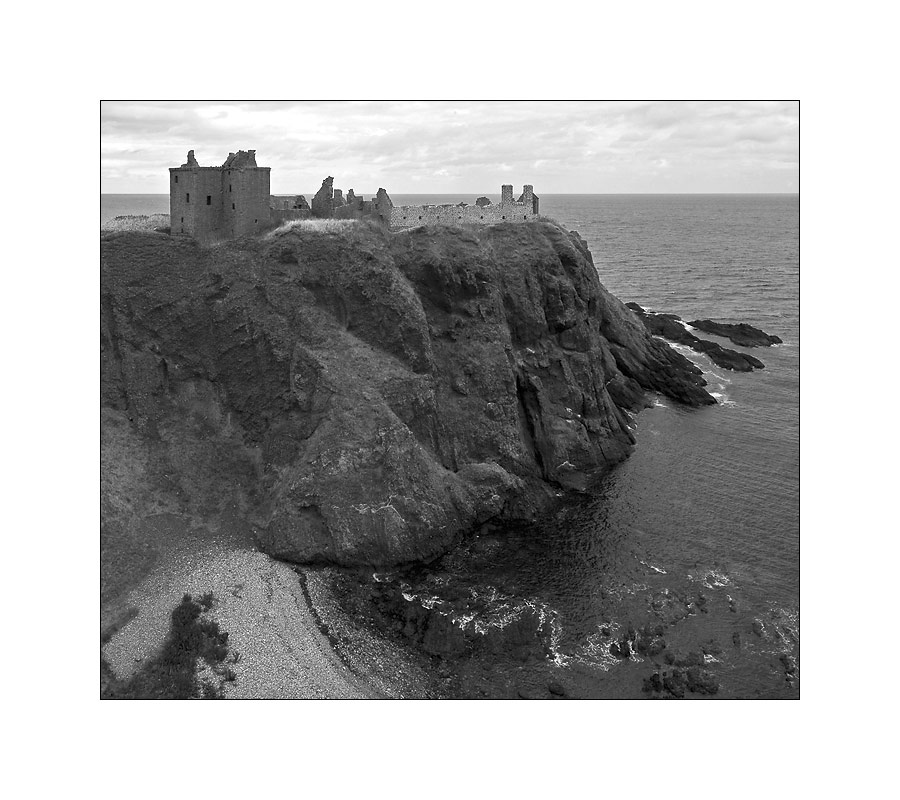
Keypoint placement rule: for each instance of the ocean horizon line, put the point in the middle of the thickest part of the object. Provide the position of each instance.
(544, 194)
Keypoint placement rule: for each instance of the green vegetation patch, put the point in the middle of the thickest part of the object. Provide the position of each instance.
(137, 222)
(171, 675)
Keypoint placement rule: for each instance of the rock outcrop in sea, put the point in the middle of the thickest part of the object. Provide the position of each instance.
(741, 334)
(670, 327)
(366, 398)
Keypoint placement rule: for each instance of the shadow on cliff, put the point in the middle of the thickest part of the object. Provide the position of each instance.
(363, 397)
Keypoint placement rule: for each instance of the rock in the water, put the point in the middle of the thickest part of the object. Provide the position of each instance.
(701, 681)
(621, 649)
(320, 374)
(675, 684)
(557, 688)
(741, 334)
(669, 326)
(678, 681)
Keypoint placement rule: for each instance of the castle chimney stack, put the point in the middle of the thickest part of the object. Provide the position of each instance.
(506, 194)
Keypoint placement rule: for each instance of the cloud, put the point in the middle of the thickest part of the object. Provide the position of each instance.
(457, 147)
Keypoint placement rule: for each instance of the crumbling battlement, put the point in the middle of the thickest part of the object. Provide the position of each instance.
(358, 208)
(329, 203)
(483, 212)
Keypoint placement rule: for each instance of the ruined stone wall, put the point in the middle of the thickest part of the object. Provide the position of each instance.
(358, 208)
(323, 202)
(281, 215)
(286, 203)
(355, 211)
(413, 216)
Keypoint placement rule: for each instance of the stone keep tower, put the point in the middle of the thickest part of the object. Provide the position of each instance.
(213, 203)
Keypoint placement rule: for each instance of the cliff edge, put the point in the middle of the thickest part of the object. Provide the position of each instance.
(365, 397)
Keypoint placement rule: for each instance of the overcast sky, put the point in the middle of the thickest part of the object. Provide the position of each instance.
(465, 148)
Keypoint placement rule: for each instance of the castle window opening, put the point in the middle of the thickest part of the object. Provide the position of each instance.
(176, 179)
(504, 218)
(232, 206)
(209, 199)
(188, 198)
(182, 220)
(229, 187)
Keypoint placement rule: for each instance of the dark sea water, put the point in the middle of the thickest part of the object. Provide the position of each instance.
(700, 528)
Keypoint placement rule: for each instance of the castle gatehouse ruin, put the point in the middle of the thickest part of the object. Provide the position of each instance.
(234, 200)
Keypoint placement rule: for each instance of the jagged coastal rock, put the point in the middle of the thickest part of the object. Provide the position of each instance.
(741, 334)
(367, 397)
(670, 327)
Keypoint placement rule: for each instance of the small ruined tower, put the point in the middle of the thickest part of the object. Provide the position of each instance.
(530, 199)
(506, 194)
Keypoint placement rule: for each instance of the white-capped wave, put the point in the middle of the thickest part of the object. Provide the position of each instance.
(712, 579)
(660, 570)
(723, 400)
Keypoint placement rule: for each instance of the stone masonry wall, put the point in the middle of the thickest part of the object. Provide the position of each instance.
(482, 213)
(413, 216)
(245, 203)
(195, 201)
(282, 215)
(323, 203)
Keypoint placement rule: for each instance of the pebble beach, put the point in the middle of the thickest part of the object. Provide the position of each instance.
(277, 645)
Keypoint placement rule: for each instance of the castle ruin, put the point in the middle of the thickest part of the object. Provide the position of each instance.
(234, 200)
(224, 202)
(484, 212)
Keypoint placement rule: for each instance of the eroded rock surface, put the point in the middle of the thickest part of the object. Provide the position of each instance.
(370, 396)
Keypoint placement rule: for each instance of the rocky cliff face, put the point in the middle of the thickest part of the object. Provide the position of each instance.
(371, 396)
